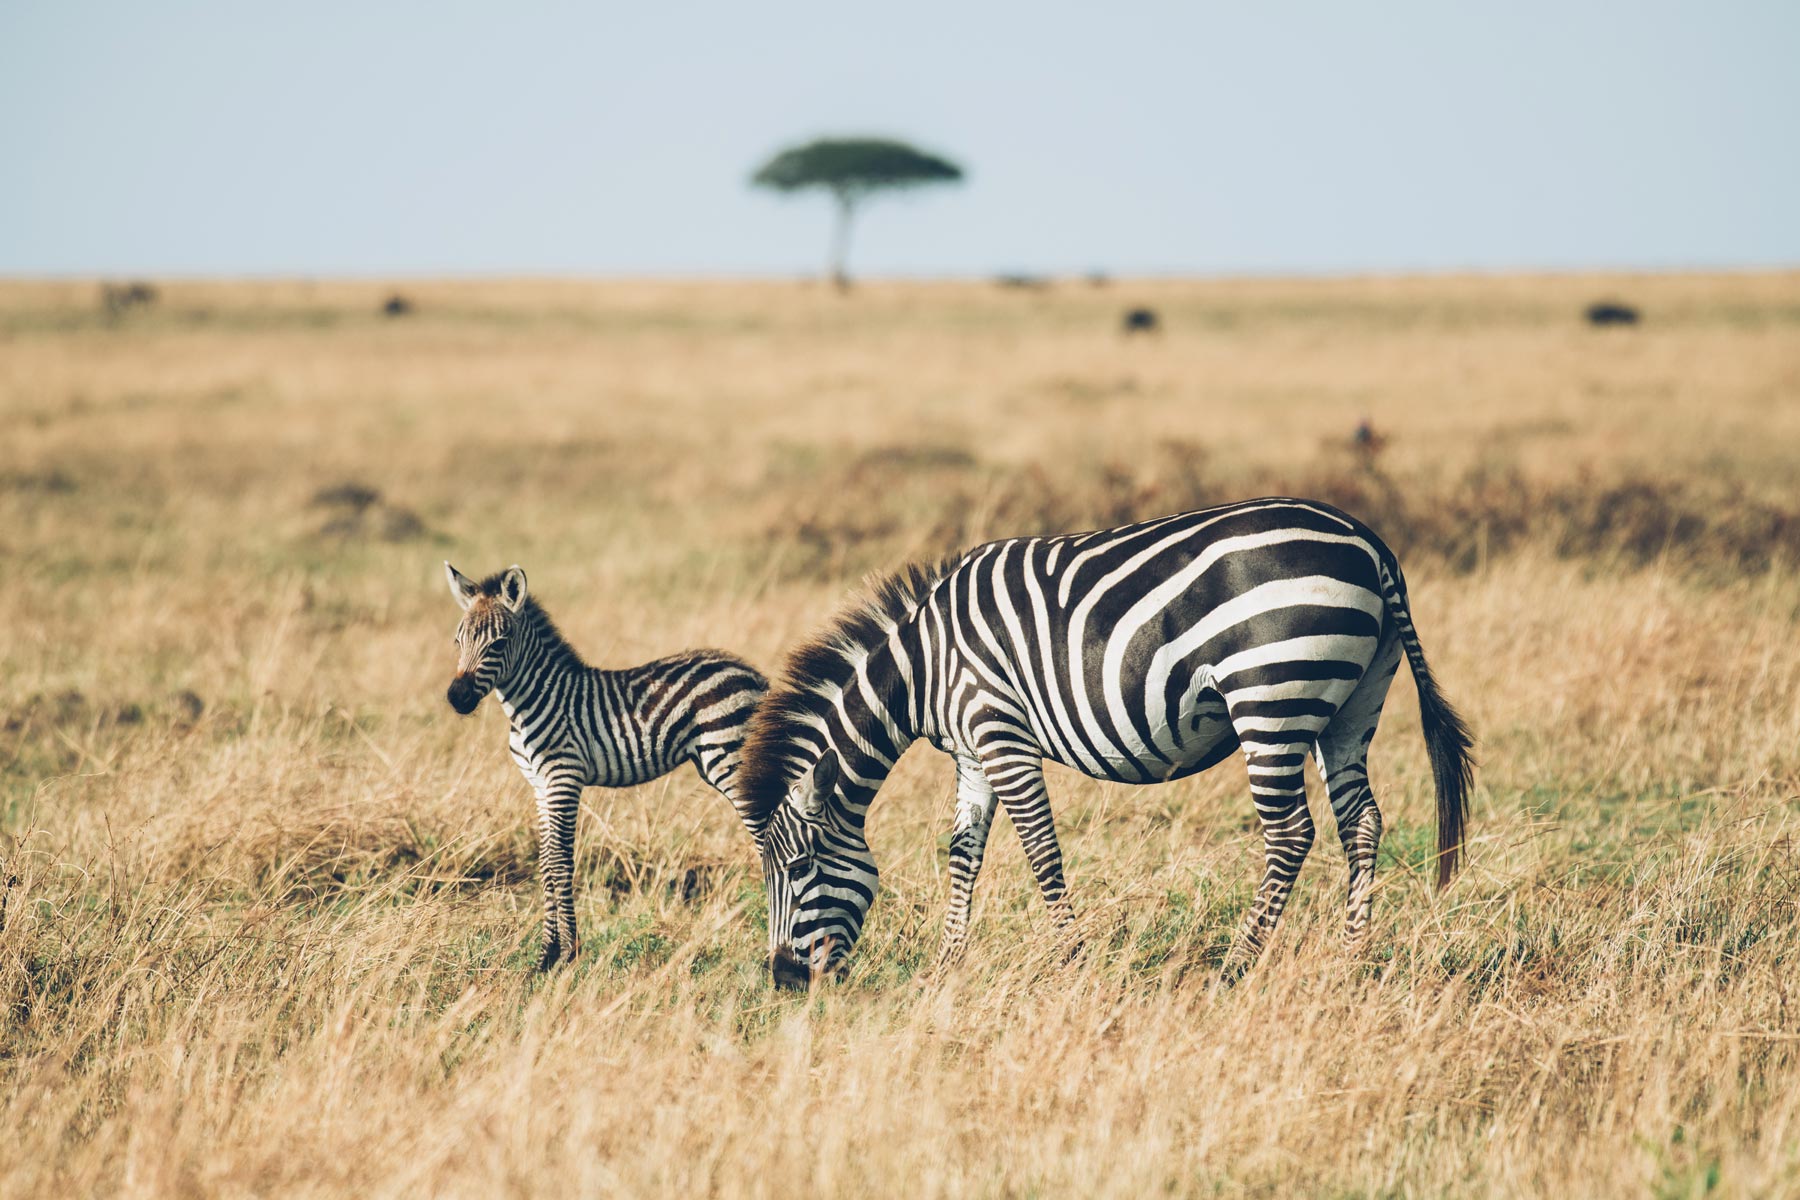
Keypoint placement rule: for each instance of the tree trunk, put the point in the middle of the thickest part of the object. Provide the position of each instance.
(840, 240)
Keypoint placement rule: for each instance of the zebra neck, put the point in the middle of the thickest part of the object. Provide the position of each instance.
(863, 775)
(543, 656)
(870, 724)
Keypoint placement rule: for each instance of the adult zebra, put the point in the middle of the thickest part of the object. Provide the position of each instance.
(1140, 654)
(576, 726)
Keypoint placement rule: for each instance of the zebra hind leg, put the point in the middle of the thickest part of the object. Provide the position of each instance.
(1342, 752)
(1344, 765)
(1278, 786)
(975, 802)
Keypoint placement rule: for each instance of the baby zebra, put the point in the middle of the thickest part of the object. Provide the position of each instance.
(576, 726)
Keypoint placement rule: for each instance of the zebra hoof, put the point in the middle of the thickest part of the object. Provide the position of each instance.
(940, 968)
(551, 956)
(1232, 973)
(930, 976)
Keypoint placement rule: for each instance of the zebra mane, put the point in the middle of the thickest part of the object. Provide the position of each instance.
(490, 587)
(815, 671)
(533, 614)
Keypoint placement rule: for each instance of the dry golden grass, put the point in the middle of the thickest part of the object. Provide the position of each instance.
(267, 902)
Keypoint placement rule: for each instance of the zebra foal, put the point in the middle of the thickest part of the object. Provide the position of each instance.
(576, 726)
(1140, 654)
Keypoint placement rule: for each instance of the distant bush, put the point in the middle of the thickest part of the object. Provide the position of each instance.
(120, 298)
(923, 502)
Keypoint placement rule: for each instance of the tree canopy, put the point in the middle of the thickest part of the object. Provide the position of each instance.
(854, 166)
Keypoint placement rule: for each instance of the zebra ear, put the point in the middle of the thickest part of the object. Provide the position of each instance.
(818, 786)
(461, 586)
(512, 588)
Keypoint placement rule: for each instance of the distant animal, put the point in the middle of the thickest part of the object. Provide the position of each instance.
(1141, 320)
(1608, 312)
(576, 726)
(1140, 654)
(119, 298)
(1367, 440)
(397, 306)
(1021, 281)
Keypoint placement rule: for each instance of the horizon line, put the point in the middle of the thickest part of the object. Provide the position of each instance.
(1090, 277)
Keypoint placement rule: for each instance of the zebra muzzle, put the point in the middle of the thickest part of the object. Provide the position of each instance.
(462, 695)
(789, 970)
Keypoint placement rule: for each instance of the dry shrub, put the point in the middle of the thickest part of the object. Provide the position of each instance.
(880, 502)
(356, 510)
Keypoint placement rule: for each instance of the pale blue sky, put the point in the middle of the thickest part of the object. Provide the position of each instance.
(391, 138)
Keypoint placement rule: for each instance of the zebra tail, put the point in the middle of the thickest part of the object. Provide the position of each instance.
(1448, 740)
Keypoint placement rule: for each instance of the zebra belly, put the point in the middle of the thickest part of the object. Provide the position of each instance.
(1205, 738)
(1198, 714)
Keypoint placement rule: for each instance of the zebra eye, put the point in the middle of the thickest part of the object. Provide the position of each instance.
(798, 866)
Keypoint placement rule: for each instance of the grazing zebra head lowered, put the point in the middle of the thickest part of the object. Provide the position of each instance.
(1139, 654)
(574, 726)
(805, 803)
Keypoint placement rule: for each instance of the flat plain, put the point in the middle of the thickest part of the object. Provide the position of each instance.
(268, 903)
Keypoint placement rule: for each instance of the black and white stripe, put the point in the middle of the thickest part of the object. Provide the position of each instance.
(576, 726)
(1139, 654)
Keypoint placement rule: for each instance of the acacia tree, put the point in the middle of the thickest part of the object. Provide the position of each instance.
(852, 170)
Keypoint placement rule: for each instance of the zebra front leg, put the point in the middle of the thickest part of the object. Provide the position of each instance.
(551, 949)
(1019, 782)
(557, 805)
(1278, 786)
(975, 802)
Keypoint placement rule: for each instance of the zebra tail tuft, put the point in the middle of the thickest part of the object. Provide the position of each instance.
(1448, 739)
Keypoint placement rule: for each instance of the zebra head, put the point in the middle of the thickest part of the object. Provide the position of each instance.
(484, 645)
(820, 877)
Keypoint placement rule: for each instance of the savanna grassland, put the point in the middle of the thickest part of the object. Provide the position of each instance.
(268, 903)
